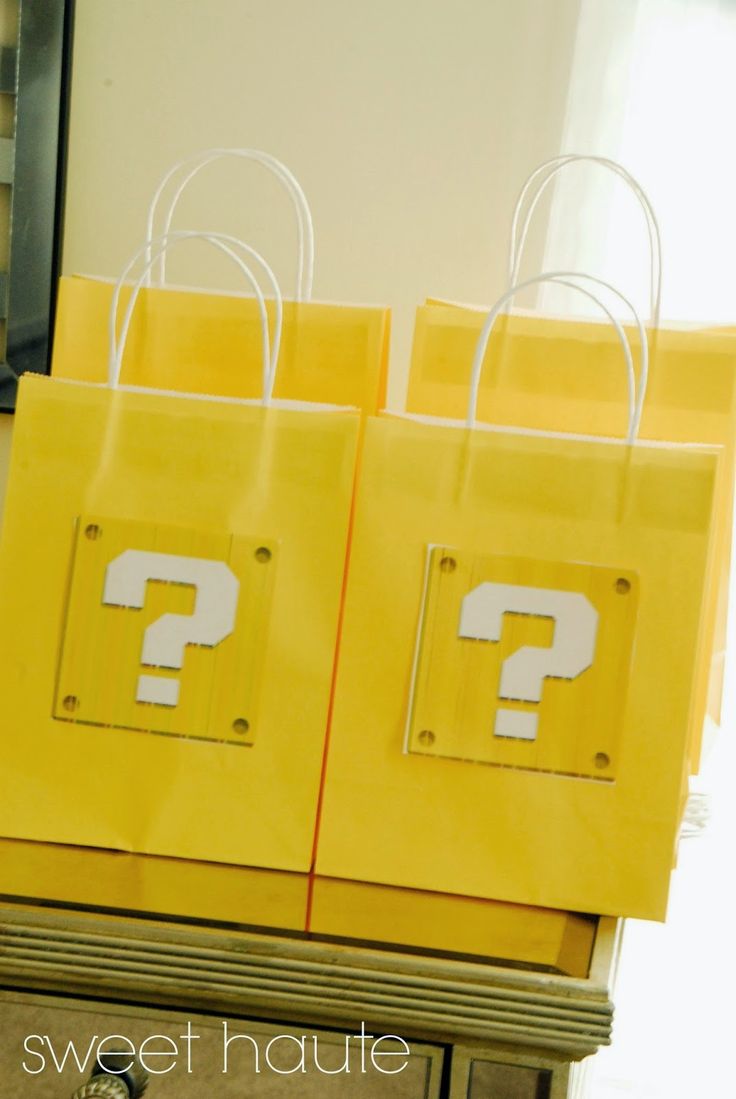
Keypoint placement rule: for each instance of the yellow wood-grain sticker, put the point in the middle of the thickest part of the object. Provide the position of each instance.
(522, 663)
(165, 630)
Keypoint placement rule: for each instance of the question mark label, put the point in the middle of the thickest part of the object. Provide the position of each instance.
(164, 642)
(522, 663)
(165, 630)
(572, 650)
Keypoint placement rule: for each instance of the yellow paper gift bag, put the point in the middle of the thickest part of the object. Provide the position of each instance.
(332, 353)
(523, 615)
(171, 571)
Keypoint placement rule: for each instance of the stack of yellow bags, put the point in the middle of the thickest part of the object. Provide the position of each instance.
(428, 669)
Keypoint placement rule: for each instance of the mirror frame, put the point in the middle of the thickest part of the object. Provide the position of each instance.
(36, 72)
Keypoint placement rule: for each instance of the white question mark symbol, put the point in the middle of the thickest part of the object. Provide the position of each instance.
(165, 639)
(523, 673)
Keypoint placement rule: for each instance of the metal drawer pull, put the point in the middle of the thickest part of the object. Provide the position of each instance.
(117, 1078)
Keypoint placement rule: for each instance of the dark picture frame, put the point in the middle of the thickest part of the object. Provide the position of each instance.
(36, 72)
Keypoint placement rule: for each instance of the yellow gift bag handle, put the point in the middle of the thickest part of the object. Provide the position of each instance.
(641, 389)
(562, 278)
(225, 243)
(331, 353)
(549, 170)
(193, 164)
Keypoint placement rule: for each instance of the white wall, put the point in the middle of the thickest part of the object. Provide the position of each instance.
(653, 84)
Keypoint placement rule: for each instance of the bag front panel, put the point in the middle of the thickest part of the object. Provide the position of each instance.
(197, 502)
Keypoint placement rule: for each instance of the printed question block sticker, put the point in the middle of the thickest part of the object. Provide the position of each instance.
(523, 663)
(165, 630)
